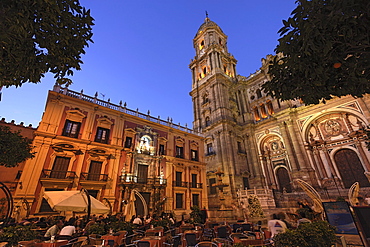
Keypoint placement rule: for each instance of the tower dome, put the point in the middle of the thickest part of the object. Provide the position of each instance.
(206, 25)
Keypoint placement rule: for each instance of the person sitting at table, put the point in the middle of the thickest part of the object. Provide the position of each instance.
(137, 221)
(54, 230)
(67, 232)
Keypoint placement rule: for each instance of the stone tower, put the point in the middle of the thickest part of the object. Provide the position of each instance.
(216, 112)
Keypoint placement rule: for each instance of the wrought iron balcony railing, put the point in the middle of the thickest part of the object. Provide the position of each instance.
(196, 185)
(94, 177)
(180, 184)
(131, 179)
(46, 173)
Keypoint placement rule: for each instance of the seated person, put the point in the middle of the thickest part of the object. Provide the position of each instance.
(54, 230)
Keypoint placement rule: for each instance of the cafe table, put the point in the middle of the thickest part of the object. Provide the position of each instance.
(155, 241)
(155, 231)
(56, 243)
(117, 238)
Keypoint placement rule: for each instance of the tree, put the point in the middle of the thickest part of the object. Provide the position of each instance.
(326, 52)
(42, 36)
(14, 148)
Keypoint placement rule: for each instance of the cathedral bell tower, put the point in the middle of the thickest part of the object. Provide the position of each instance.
(215, 115)
(212, 66)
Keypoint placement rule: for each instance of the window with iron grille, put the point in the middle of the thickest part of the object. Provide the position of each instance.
(179, 152)
(128, 142)
(71, 129)
(102, 135)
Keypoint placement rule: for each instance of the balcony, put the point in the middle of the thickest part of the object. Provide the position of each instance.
(196, 185)
(93, 180)
(57, 179)
(180, 184)
(129, 179)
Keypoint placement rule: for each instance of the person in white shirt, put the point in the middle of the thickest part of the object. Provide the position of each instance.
(68, 230)
(138, 221)
(276, 226)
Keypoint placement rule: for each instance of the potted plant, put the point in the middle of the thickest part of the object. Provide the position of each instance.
(315, 234)
(14, 234)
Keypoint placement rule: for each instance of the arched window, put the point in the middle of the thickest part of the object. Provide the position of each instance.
(201, 45)
(256, 114)
(350, 168)
(259, 94)
(270, 109)
(263, 111)
(204, 70)
(208, 122)
(205, 99)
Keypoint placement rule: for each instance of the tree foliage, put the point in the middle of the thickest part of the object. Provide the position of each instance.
(14, 148)
(40, 36)
(326, 52)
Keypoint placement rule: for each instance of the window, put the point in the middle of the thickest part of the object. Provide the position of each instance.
(71, 129)
(194, 155)
(102, 135)
(94, 170)
(128, 142)
(240, 148)
(208, 122)
(60, 167)
(178, 178)
(195, 200)
(212, 189)
(193, 180)
(205, 99)
(201, 45)
(179, 200)
(259, 93)
(245, 183)
(179, 152)
(210, 149)
(263, 111)
(270, 108)
(161, 150)
(142, 173)
(256, 114)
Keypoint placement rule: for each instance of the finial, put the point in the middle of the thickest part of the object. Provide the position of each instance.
(206, 14)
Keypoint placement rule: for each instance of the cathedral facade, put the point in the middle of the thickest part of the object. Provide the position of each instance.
(256, 144)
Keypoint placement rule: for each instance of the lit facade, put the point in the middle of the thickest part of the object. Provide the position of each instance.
(259, 144)
(115, 153)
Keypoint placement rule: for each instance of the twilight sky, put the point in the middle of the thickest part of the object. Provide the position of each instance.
(142, 49)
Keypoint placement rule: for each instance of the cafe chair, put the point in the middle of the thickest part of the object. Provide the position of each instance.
(222, 231)
(191, 239)
(128, 241)
(175, 241)
(208, 234)
(142, 243)
(246, 227)
(237, 228)
(206, 244)
(236, 237)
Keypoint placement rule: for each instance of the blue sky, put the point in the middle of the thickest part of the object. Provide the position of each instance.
(142, 49)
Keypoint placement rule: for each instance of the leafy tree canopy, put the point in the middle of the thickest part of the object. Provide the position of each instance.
(40, 36)
(14, 148)
(326, 52)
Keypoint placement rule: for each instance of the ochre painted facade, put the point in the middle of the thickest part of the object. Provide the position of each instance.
(116, 154)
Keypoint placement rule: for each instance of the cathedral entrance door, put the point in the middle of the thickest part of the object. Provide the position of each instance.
(283, 180)
(350, 168)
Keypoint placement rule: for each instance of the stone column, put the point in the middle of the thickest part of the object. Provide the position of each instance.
(288, 146)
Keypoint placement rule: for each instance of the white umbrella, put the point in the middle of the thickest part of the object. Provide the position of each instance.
(73, 201)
